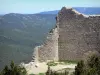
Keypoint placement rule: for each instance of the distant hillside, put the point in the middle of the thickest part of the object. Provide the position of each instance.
(88, 10)
(50, 12)
(20, 33)
(84, 10)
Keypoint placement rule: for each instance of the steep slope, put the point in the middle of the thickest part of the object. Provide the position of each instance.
(20, 33)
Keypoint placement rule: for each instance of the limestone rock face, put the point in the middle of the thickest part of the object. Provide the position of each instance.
(78, 34)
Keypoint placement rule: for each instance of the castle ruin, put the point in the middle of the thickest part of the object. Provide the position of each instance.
(74, 35)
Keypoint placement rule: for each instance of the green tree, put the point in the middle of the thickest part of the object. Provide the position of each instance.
(79, 69)
(93, 64)
(13, 70)
(90, 67)
(48, 71)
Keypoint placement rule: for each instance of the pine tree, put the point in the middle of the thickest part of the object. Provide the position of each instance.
(48, 71)
(13, 70)
(91, 67)
(79, 69)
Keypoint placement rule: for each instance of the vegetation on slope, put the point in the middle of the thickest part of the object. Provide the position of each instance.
(90, 67)
(52, 63)
(13, 70)
(20, 33)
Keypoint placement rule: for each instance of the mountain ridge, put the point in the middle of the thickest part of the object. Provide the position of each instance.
(83, 10)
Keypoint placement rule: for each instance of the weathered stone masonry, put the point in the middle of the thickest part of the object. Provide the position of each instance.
(49, 50)
(75, 35)
(78, 34)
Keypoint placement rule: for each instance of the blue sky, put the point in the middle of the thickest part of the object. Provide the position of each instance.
(34, 6)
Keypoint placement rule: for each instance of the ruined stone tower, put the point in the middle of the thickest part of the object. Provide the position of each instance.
(74, 35)
(78, 34)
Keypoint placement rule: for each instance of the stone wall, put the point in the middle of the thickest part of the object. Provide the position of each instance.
(78, 34)
(49, 50)
(74, 35)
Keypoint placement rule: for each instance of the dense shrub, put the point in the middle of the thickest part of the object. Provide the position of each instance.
(91, 67)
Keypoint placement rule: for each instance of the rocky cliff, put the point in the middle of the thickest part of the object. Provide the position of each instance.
(74, 35)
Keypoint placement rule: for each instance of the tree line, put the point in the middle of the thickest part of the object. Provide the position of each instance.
(90, 66)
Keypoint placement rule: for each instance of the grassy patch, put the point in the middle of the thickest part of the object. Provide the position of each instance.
(68, 62)
(52, 63)
(41, 74)
(38, 74)
(67, 69)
